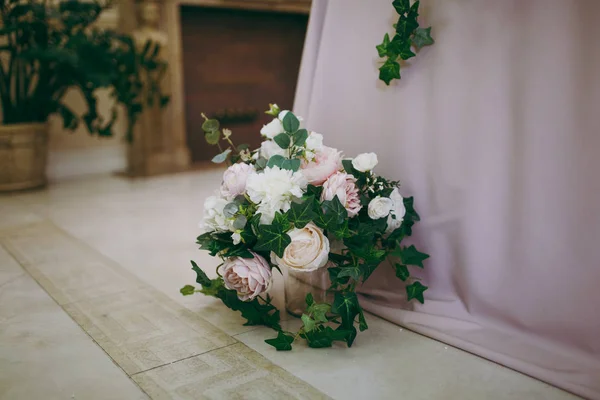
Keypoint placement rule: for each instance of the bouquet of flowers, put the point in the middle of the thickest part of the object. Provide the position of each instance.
(299, 205)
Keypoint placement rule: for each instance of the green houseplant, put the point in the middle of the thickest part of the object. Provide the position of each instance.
(47, 49)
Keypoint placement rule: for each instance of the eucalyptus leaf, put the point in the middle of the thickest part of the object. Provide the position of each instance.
(212, 137)
(290, 122)
(283, 140)
(231, 209)
(210, 125)
(240, 222)
(221, 157)
(300, 137)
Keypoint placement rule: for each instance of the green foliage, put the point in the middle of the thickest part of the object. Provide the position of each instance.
(408, 34)
(221, 157)
(402, 272)
(274, 237)
(187, 290)
(283, 140)
(282, 342)
(415, 291)
(273, 110)
(290, 123)
(284, 163)
(302, 213)
(367, 243)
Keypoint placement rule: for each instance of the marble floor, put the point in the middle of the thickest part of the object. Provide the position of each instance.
(90, 272)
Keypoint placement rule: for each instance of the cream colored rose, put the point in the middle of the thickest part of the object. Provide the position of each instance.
(380, 207)
(308, 251)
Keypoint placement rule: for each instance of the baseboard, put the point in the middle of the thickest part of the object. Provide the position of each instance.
(73, 163)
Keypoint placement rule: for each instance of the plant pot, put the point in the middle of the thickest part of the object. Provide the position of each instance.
(23, 155)
(298, 284)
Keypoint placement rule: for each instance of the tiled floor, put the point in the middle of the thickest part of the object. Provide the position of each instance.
(113, 254)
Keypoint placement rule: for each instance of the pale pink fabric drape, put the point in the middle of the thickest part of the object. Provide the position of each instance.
(496, 132)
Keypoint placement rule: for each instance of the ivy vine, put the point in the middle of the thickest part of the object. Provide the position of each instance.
(409, 36)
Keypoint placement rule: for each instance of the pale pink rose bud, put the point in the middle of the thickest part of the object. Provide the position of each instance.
(234, 180)
(326, 163)
(343, 186)
(249, 277)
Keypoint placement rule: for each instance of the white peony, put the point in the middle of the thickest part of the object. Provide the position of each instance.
(272, 129)
(380, 207)
(274, 189)
(397, 214)
(214, 219)
(269, 148)
(308, 251)
(365, 162)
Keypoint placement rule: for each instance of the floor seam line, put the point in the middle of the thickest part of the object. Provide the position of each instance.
(183, 359)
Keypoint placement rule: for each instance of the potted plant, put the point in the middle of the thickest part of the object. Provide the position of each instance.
(46, 50)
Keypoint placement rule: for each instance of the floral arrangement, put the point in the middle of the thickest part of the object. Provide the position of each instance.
(299, 205)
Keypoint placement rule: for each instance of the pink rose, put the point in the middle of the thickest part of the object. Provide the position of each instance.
(343, 186)
(249, 277)
(234, 180)
(326, 163)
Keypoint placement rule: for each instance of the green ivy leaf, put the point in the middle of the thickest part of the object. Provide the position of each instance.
(283, 140)
(309, 300)
(309, 323)
(402, 272)
(273, 238)
(411, 256)
(422, 37)
(314, 191)
(301, 214)
(335, 209)
(300, 137)
(341, 231)
(282, 342)
(290, 122)
(415, 291)
(389, 70)
(219, 158)
(282, 221)
(401, 6)
(212, 137)
(382, 48)
(187, 290)
(201, 277)
(319, 311)
(346, 305)
(352, 271)
(210, 125)
(362, 322)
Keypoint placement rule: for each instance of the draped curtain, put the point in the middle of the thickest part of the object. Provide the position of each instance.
(495, 130)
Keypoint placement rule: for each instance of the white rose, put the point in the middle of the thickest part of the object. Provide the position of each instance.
(269, 148)
(272, 129)
(365, 162)
(397, 214)
(308, 251)
(380, 207)
(314, 142)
